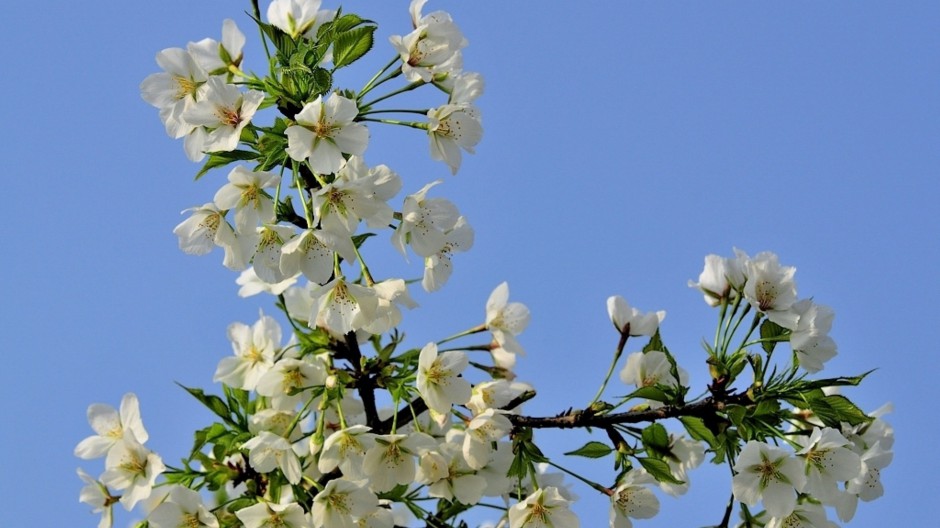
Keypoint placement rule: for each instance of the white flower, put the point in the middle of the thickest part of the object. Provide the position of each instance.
(173, 90)
(390, 294)
(287, 375)
(215, 57)
(633, 499)
(342, 307)
(346, 449)
(544, 507)
(868, 485)
(452, 127)
(482, 431)
(340, 502)
(245, 194)
(298, 17)
(424, 222)
(457, 480)
(96, 495)
(631, 321)
(311, 253)
(464, 88)
(495, 394)
(251, 284)
(134, 469)
(268, 451)
(438, 267)
(768, 473)
(506, 320)
(112, 427)
(770, 288)
(432, 49)
(254, 347)
(266, 260)
(721, 278)
(439, 381)
(828, 462)
(649, 369)
(805, 515)
(810, 339)
(224, 111)
(357, 193)
(325, 131)
(267, 514)
(205, 228)
(391, 460)
(183, 507)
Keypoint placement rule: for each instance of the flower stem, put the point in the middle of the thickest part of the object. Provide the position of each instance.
(407, 88)
(412, 124)
(474, 330)
(603, 489)
(371, 84)
(613, 364)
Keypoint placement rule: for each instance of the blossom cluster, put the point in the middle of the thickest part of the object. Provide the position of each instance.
(340, 423)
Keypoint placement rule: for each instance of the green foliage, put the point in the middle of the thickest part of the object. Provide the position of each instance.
(221, 159)
(592, 449)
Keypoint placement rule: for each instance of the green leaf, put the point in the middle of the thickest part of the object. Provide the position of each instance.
(698, 431)
(656, 437)
(659, 470)
(221, 159)
(347, 22)
(213, 403)
(592, 449)
(655, 343)
(649, 393)
(834, 409)
(771, 331)
(351, 45)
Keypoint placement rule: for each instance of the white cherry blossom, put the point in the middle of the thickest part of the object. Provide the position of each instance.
(112, 427)
(438, 267)
(770, 288)
(312, 251)
(182, 507)
(269, 451)
(206, 228)
(245, 193)
(632, 499)
(133, 469)
(325, 131)
(341, 306)
(542, 508)
(298, 17)
(215, 57)
(631, 321)
(340, 502)
(505, 320)
(439, 381)
(254, 347)
(424, 222)
(346, 449)
(453, 127)
(96, 495)
(267, 514)
(810, 339)
(770, 474)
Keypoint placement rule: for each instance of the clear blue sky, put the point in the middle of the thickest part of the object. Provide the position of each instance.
(623, 142)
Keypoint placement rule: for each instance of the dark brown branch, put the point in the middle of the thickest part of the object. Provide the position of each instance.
(365, 383)
(706, 408)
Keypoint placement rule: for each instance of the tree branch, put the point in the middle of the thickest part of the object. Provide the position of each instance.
(706, 408)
